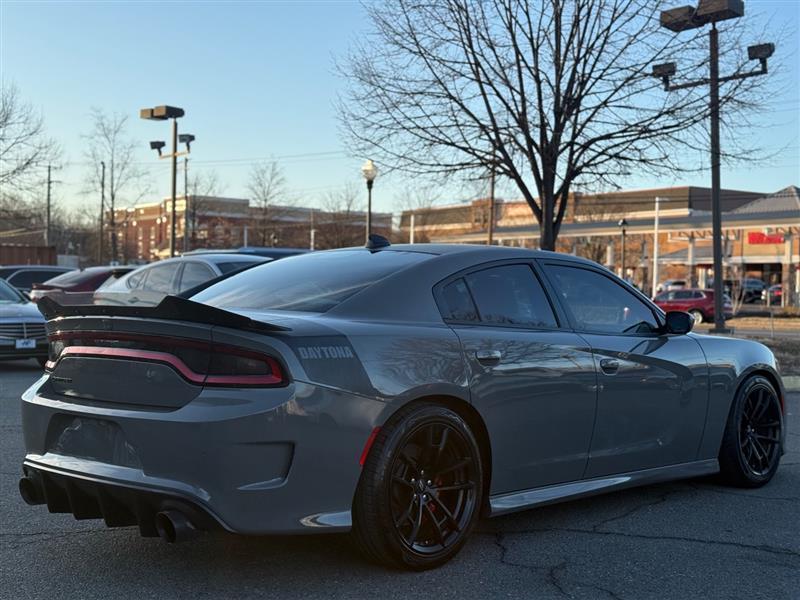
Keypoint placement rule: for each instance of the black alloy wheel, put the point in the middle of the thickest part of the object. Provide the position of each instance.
(760, 430)
(433, 490)
(753, 441)
(421, 489)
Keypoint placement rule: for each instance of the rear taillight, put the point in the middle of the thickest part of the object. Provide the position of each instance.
(199, 362)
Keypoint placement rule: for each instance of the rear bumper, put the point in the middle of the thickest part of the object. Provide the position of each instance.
(252, 461)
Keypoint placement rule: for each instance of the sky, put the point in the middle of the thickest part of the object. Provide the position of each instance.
(258, 82)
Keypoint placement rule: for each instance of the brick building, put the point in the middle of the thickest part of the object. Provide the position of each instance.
(143, 231)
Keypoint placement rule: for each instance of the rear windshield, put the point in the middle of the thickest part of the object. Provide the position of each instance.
(71, 277)
(314, 282)
(227, 267)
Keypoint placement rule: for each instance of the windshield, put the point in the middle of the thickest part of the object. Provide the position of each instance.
(8, 295)
(314, 282)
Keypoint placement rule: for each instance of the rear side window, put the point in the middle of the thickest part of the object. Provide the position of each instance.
(458, 305)
(195, 273)
(683, 295)
(161, 277)
(227, 267)
(313, 282)
(510, 295)
(137, 279)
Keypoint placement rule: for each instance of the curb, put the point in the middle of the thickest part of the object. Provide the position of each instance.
(791, 383)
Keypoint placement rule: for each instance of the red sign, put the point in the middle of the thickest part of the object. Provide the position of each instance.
(757, 237)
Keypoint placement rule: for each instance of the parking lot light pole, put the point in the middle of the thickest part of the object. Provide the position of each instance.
(623, 224)
(682, 19)
(163, 113)
(370, 172)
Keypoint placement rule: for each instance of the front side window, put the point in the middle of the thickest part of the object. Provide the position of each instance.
(598, 303)
(510, 295)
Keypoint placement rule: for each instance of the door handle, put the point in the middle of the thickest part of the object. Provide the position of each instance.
(488, 356)
(609, 366)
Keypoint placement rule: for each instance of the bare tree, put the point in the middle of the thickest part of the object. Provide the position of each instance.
(340, 224)
(267, 187)
(201, 187)
(24, 145)
(108, 142)
(419, 200)
(553, 92)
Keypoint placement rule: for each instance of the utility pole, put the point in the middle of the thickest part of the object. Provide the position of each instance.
(490, 239)
(174, 184)
(185, 203)
(112, 219)
(47, 226)
(655, 250)
(312, 233)
(102, 210)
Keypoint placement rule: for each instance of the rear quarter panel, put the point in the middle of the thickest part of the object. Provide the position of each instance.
(730, 362)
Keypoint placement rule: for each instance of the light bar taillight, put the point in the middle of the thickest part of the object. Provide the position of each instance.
(199, 362)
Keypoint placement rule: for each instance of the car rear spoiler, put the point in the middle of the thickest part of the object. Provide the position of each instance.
(171, 308)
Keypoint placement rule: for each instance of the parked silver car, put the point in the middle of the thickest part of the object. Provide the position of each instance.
(147, 285)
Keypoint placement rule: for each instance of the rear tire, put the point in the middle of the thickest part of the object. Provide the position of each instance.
(697, 314)
(753, 441)
(420, 491)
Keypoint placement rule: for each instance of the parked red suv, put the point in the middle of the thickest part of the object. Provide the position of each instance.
(698, 303)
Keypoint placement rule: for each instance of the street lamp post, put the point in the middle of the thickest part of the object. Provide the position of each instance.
(186, 138)
(623, 224)
(164, 113)
(682, 19)
(370, 172)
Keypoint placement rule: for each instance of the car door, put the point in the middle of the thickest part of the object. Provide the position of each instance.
(652, 386)
(533, 382)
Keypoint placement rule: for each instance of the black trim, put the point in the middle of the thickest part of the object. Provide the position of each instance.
(172, 308)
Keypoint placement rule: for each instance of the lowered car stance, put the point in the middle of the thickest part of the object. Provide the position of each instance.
(398, 392)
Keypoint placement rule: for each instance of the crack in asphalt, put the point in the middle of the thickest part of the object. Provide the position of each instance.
(745, 495)
(777, 550)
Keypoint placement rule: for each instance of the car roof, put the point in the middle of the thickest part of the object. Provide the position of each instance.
(38, 267)
(477, 252)
(213, 258)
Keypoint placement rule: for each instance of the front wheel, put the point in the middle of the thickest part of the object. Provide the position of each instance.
(420, 491)
(753, 441)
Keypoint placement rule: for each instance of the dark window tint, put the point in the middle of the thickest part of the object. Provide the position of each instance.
(160, 278)
(598, 303)
(683, 295)
(4, 273)
(72, 278)
(227, 267)
(195, 273)
(24, 279)
(458, 305)
(697, 295)
(510, 295)
(313, 282)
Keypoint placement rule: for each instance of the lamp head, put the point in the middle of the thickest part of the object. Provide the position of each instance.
(370, 171)
(157, 145)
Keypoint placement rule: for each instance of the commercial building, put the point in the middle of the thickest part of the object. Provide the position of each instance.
(761, 232)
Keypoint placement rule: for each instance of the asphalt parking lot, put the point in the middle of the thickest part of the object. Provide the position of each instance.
(689, 539)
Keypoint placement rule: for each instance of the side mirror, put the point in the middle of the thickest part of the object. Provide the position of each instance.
(679, 322)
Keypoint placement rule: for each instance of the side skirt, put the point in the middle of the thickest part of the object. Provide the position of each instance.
(502, 504)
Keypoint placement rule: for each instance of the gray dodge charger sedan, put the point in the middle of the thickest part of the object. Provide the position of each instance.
(400, 392)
